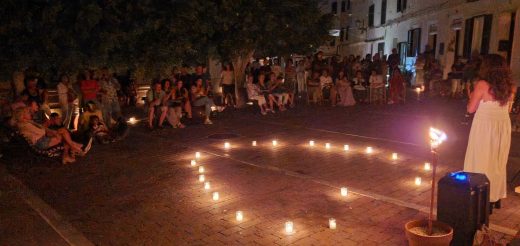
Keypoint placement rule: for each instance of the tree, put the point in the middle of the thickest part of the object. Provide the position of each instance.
(61, 35)
(269, 27)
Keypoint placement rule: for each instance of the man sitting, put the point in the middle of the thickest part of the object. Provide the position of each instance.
(154, 98)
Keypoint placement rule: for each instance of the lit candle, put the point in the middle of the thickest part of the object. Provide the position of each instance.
(275, 142)
(344, 191)
(289, 227)
(226, 145)
(394, 156)
(311, 143)
(327, 145)
(346, 147)
(418, 180)
(213, 108)
(253, 143)
(239, 216)
(215, 196)
(201, 178)
(370, 150)
(201, 169)
(193, 163)
(418, 90)
(132, 120)
(207, 185)
(197, 155)
(332, 224)
(427, 166)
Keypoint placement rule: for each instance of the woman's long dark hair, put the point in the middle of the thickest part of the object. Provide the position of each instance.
(495, 71)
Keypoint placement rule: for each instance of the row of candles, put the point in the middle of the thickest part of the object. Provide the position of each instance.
(289, 225)
(346, 147)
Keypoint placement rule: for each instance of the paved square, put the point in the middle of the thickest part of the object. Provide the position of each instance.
(143, 191)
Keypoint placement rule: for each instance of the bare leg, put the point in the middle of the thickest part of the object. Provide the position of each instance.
(163, 115)
(187, 108)
(65, 136)
(151, 112)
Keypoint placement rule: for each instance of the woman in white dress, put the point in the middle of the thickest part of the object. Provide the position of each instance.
(490, 135)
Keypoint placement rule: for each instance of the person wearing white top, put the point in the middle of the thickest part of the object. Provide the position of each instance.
(67, 99)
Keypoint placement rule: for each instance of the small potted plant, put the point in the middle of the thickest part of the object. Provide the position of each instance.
(430, 232)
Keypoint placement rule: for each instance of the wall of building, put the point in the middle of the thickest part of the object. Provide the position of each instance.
(429, 15)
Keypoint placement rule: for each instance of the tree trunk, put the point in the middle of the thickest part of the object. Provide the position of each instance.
(239, 65)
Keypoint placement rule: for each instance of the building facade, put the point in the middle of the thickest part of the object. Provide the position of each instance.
(449, 28)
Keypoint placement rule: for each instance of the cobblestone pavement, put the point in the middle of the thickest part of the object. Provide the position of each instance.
(143, 191)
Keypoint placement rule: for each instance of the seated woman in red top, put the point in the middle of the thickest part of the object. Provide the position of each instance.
(89, 87)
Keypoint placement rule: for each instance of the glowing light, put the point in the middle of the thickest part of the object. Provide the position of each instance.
(193, 163)
(201, 169)
(369, 150)
(275, 143)
(197, 155)
(418, 90)
(394, 156)
(207, 185)
(213, 108)
(311, 143)
(215, 196)
(346, 147)
(250, 103)
(427, 166)
(253, 143)
(327, 145)
(418, 181)
(289, 227)
(201, 178)
(227, 145)
(239, 216)
(332, 224)
(344, 191)
(132, 120)
(437, 137)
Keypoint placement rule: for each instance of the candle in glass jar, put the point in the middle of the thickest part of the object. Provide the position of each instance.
(394, 156)
(193, 163)
(346, 147)
(253, 143)
(239, 216)
(327, 145)
(311, 143)
(369, 150)
(215, 196)
(197, 155)
(275, 142)
(289, 227)
(201, 178)
(207, 185)
(418, 180)
(344, 191)
(227, 145)
(201, 169)
(427, 166)
(332, 224)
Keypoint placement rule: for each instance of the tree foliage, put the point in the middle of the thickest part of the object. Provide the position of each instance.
(57, 35)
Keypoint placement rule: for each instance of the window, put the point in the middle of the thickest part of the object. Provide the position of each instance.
(343, 6)
(401, 5)
(383, 12)
(341, 33)
(334, 7)
(371, 16)
(348, 4)
(346, 32)
(414, 42)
